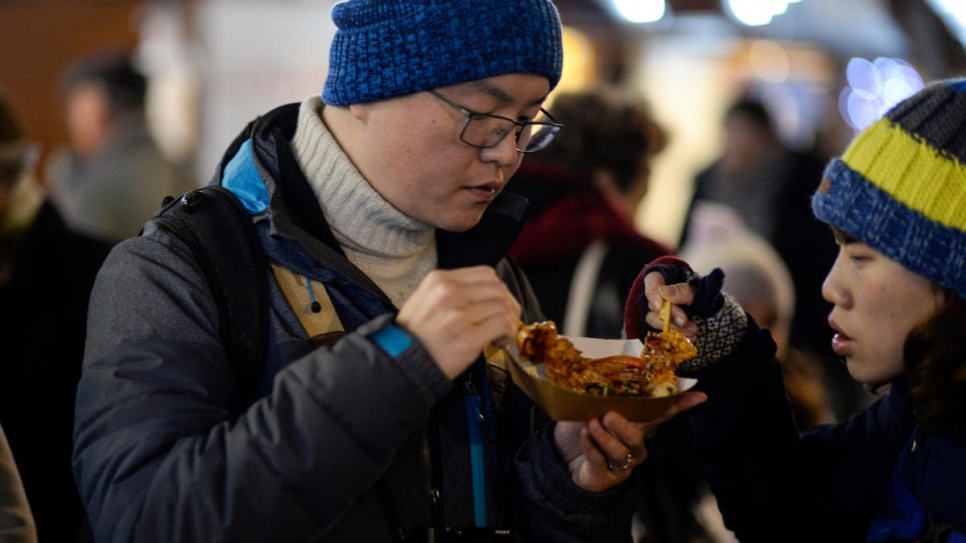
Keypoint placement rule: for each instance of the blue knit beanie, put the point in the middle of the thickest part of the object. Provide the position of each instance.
(388, 48)
(900, 187)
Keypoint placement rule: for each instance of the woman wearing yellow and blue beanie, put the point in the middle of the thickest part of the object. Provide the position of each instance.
(896, 471)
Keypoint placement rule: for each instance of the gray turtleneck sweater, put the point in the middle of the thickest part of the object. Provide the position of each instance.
(393, 249)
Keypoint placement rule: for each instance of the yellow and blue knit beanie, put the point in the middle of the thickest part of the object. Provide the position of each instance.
(388, 48)
(900, 187)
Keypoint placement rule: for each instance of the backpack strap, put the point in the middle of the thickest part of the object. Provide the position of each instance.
(220, 233)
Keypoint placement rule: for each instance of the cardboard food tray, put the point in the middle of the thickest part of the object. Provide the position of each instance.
(563, 404)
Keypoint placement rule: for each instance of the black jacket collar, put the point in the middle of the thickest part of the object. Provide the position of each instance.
(486, 243)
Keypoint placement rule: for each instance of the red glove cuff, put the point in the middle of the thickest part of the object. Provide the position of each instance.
(674, 270)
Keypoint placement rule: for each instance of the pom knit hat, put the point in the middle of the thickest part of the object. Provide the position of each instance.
(388, 48)
(900, 187)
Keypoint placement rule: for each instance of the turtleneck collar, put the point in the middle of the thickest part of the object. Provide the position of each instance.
(361, 219)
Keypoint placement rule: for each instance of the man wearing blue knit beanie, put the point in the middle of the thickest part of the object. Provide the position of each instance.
(376, 416)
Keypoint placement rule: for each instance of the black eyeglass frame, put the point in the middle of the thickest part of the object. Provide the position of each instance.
(553, 127)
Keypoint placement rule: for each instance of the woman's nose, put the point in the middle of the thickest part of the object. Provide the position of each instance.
(833, 289)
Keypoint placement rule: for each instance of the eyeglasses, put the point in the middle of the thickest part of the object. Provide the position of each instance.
(485, 131)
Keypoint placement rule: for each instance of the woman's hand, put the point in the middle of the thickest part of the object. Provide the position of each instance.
(710, 319)
(601, 453)
(679, 294)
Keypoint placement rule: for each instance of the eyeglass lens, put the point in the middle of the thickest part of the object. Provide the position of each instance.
(486, 131)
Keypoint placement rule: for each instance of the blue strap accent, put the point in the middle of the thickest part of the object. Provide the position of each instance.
(913, 522)
(393, 340)
(474, 419)
(241, 177)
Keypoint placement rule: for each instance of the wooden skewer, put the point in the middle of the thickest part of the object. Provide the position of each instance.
(665, 314)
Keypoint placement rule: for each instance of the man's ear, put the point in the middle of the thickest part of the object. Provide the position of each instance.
(360, 111)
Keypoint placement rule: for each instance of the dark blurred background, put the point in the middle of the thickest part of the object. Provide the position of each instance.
(214, 64)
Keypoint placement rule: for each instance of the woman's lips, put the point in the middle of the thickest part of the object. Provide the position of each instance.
(841, 343)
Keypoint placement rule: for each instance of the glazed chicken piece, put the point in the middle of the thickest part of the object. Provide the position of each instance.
(651, 374)
(541, 344)
(664, 351)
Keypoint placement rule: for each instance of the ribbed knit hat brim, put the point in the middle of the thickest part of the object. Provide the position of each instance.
(383, 49)
(900, 187)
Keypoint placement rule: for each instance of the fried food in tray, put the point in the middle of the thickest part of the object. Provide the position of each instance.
(651, 374)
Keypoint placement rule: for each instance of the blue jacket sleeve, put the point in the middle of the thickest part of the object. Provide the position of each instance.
(773, 483)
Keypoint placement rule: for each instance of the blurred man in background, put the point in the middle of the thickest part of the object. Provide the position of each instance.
(114, 176)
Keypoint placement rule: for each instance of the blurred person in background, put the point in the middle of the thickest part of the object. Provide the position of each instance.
(761, 185)
(581, 251)
(760, 282)
(113, 176)
(16, 521)
(46, 275)
(580, 248)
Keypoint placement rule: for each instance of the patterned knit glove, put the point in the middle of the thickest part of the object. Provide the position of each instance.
(721, 321)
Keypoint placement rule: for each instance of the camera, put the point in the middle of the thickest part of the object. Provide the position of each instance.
(461, 535)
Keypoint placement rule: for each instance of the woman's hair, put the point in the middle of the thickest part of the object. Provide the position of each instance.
(605, 129)
(935, 354)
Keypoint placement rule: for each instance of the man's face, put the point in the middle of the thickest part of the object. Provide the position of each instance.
(88, 117)
(413, 156)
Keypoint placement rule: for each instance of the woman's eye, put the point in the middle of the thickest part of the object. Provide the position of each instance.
(859, 257)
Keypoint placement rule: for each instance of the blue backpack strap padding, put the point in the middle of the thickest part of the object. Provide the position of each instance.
(222, 238)
(242, 179)
(913, 522)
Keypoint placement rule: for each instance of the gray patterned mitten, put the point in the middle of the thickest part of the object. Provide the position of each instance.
(721, 321)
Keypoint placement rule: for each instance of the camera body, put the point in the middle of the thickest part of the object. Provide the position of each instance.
(461, 535)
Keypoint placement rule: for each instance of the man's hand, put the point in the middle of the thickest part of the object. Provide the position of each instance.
(456, 313)
(601, 453)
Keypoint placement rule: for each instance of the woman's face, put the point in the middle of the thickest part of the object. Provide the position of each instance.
(877, 303)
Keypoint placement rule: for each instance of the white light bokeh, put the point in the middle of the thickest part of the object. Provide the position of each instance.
(953, 13)
(874, 87)
(757, 12)
(641, 11)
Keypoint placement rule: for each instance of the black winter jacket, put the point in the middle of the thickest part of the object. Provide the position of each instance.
(341, 443)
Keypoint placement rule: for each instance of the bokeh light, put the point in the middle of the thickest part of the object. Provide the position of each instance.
(953, 12)
(579, 66)
(641, 11)
(874, 87)
(757, 12)
(769, 61)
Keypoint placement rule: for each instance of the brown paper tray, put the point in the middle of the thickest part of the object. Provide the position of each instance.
(563, 404)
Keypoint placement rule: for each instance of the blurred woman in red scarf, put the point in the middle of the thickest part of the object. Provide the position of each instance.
(580, 248)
